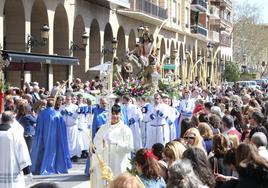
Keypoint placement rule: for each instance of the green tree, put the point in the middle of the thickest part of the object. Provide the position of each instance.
(231, 72)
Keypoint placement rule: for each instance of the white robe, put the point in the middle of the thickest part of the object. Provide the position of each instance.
(71, 121)
(171, 118)
(135, 114)
(115, 156)
(14, 157)
(186, 110)
(158, 129)
(83, 130)
(146, 108)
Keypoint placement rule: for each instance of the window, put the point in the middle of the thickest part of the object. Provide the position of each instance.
(179, 13)
(174, 11)
(187, 17)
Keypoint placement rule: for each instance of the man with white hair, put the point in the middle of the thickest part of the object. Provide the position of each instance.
(13, 153)
(260, 140)
(36, 96)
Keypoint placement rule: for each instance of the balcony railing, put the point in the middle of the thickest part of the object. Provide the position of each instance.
(215, 22)
(228, 2)
(214, 12)
(214, 36)
(225, 40)
(226, 22)
(148, 7)
(199, 5)
(197, 29)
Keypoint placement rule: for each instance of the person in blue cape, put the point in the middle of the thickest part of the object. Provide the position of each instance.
(100, 116)
(50, 153)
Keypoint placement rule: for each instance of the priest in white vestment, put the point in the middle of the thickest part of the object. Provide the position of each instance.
(14, 154)
(113, 144)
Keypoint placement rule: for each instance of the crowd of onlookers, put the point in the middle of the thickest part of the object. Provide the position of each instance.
(222, 144)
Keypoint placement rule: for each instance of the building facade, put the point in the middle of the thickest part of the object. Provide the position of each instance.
(190, 26)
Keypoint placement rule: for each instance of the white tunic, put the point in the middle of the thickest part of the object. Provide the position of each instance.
(146, 108)
(186, 110)
(116, 156)
(14, 157)
(158, 129)
(134, 116)
(83, 130)
(171, 118)
(70, 116)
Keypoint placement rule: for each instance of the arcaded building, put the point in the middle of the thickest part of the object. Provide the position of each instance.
(65, 55)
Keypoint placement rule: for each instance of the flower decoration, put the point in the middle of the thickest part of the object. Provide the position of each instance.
(131, 87)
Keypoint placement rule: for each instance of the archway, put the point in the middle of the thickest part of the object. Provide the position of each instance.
(181, 60)
(171, 52)
(61, 42)
(14, 34)
(194, 59)
(39, 17)
(188, 60)
(121, 47)
(131, 40)
(94, 47)
(108, 37)
(78, 30)
(162, 49)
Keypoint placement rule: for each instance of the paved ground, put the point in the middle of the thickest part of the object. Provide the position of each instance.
(75, 178)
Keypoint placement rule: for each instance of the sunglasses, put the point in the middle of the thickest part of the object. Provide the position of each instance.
(189, 138)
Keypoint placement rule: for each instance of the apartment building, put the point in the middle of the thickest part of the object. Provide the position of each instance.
(79, 34)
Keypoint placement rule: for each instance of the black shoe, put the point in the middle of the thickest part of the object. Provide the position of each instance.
(74, 159)
(84, 154)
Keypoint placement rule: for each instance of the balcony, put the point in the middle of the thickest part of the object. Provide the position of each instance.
(198, 29)
(215, 22)
(214, 12)
(225, 23)
(109, 3)
(225, 40)
(199, 5)
(214, 36)
(225, 3)
(146, 6)
(228, 2)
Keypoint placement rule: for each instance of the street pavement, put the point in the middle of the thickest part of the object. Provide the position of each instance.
(74, 179)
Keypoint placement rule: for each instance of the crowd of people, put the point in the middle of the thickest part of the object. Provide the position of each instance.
(213, 137)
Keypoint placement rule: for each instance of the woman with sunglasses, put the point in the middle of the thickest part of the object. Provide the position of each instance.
(193, 138)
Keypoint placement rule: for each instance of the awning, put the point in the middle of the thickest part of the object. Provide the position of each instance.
(24, 57)
(169, 67)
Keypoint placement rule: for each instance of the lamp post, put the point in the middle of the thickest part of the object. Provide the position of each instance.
(213, 59)
(187, 70)
(31, 41)
(176, 55)
(110, 82)
(76, 47)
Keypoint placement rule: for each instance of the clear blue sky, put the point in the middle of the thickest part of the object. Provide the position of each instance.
(262, 4)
